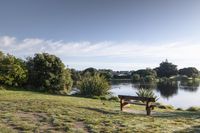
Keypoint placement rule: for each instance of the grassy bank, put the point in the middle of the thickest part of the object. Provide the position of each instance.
(23, 111)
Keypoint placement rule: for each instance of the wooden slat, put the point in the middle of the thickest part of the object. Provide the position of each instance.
(127, 97)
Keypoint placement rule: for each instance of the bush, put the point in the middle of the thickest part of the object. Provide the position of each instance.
(95, 85)
(12, 71)
(193, 109)
(114, 98)
(179, 109)
(47, 73)
(149, 78)
(136, 78)
(166, 107)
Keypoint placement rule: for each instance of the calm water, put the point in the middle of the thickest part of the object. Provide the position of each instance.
(179, 94)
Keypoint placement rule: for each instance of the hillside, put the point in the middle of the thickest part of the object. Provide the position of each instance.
(23, 111)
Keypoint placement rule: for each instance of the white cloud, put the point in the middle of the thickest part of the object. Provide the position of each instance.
(136, 55)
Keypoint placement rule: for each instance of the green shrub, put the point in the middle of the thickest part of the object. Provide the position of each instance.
(146, 93)
(149, 78)
(95, 85)
(47, 73)
(193, 109)
(136, 78)
(179, 109)
(114, 98)
(165, 107)
(12, 71)
(104, 97)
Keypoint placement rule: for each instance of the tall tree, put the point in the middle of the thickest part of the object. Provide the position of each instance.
(47, 73)
(13, 71)
(166, 69)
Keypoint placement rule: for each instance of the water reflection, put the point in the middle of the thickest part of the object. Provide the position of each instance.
(182, 94)
(167, 89)
(191, 85)
(151, 86)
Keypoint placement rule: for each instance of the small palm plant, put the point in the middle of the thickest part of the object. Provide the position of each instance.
(146, 93)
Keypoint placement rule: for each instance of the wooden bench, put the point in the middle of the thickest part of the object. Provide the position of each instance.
(146, 101)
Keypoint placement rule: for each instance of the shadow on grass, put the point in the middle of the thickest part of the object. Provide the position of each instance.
(100, 110)
(114, 112)
(193, 129)
(29, 89)
(176, 114)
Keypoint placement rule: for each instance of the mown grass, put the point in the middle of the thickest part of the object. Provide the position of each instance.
(23, 111)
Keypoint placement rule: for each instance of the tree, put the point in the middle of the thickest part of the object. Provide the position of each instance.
(146, 72)
(48, 73)
(90, 71)
(76, 76)
(166, 69)
(95, 85)
(146, 75)
(13, 71)
(68, 80)
(190, 72)
(107, 73)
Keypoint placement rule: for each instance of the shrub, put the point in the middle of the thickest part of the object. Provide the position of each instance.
(149, 78)
(95, 85)
(146, 93)
(165, 107)
(12, 71)
(114, 98)
(136, 77)
(47, 73)
(179, 109)
(193, 109)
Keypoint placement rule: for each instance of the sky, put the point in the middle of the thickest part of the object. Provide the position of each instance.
(112, 34)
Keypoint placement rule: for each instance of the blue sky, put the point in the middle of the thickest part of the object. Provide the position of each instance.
(115, 34)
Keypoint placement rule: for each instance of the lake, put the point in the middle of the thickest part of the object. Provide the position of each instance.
(180, 94)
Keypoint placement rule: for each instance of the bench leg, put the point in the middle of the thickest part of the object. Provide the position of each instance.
(148, 111)
(121, 104)
(148, 108)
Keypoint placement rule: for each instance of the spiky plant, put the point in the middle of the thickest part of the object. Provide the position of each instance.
(146, 93)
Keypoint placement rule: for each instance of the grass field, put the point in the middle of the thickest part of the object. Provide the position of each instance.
(23, 111)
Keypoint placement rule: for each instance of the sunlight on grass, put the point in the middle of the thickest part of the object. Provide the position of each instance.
(36, 112)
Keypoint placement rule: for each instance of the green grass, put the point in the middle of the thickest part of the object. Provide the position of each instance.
(23, 111)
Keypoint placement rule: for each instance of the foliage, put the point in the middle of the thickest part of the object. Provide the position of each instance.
(136, 77)
(12, 70)
(47, 73)
(161, 106)
(146, 72)
(95, 85)
(107, 73)
(76, 76)
(89, 71)
(149, 78)
(145, 75)
(68, 80)
(146, 93)
(166, 69)
(189, 72)
(193, 109)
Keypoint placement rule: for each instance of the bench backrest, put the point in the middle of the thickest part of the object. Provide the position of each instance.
(137, 98)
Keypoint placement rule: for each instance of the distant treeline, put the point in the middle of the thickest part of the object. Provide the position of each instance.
(165, 70)
(46, 72)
